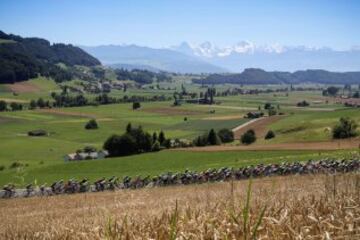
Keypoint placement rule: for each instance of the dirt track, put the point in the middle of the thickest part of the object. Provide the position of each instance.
(330, 145)
(259, 125)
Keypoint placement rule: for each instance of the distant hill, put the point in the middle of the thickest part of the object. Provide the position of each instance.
(25, 58)
(162, 59)
(259, 76)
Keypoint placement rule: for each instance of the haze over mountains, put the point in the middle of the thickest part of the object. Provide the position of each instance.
(209, 58)
(151, 58)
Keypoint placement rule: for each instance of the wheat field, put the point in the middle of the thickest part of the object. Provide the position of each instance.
(292, 207)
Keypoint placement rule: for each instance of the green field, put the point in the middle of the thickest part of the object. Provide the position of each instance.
(43, 157)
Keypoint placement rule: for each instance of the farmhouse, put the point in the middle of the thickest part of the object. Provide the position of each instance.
(86, 156)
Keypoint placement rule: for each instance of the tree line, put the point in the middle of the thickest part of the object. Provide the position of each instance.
(135, 141)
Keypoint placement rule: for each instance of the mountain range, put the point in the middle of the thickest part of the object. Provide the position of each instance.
(209, 58)
(150, 58)
(274, 57)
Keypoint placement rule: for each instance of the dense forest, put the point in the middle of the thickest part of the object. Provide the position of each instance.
(259, 76)
(24, 58)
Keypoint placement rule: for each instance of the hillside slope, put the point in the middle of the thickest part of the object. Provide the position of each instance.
(25, 58)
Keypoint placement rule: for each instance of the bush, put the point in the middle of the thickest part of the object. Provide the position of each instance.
(136, 105)
(346, 128)
(226, 135)
(91, 124)
(2, 167)
(37, 133)
(200, 141)
(16, 165)
(272, 112)
(248, 137)
(156, 146)
(268, 106)
(269, 135)
(3, 105)
(89, 149)
(303, 104)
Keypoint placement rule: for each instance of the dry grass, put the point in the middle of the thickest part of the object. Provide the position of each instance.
(294, 207)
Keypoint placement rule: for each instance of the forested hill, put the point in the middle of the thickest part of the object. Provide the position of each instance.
(24, 58)
(259, 76)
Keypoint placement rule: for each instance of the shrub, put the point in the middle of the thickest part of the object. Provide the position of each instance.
(303, 104)
(16, 165)
(272, 112)
(167, 143)
(253, 115)
(226, 135)
(200, 141)
(89, 149)
(346, 128)
(268, 106)
(37, 133)
(3, 105)
(91, 124)
(156, 146)
(248, 137)
(2, 167)
(269, 135)
(136, 105)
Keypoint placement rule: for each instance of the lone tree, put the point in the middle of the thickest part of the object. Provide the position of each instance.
(91, 124)
(136, 105)
(331, 91)
(346, 128)
(248, 137)
(226, 135)
(269, 135)
(128, 128)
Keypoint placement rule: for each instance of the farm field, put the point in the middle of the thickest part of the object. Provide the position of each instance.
(306, 207)
(42, 158)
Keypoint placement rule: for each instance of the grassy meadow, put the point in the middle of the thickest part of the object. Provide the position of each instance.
(43, 157)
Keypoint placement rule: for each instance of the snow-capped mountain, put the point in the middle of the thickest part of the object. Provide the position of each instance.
(246, 54)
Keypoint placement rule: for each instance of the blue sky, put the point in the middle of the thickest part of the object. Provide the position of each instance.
(158, 23)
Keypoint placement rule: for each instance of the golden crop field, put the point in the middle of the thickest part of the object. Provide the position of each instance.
(293, 207)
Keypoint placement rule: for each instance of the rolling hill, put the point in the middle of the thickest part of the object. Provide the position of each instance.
(25, 58)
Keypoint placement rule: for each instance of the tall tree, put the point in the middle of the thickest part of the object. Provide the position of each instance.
(162, 137)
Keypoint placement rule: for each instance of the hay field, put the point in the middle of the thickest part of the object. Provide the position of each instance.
(293, 207)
